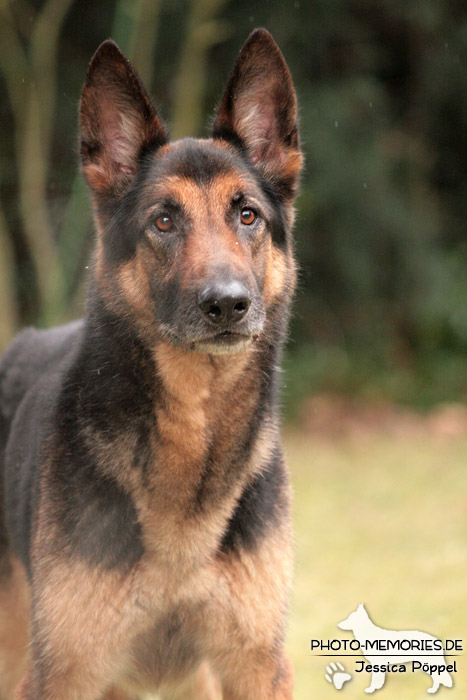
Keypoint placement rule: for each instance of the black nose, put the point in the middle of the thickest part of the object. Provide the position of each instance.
(224, 302)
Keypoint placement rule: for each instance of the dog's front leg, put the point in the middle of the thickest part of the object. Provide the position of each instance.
(81, 622)
(262, 675)
(202, 685)
(377, 681)
(248, 617)
(26, 691)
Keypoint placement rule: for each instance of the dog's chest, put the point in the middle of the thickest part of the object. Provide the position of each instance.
(171, 647)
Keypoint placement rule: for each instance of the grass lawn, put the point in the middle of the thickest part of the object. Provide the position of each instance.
(380, 520)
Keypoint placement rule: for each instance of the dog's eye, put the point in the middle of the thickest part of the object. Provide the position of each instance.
(248, 216)
(164, 222)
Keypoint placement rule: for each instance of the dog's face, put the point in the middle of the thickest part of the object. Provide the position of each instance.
(353, 620)
(194, 236)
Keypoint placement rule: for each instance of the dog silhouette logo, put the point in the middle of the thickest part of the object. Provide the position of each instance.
(388, 650)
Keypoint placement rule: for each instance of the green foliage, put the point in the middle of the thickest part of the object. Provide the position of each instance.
(381, 218)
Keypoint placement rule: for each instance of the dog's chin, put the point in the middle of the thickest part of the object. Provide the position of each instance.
(223, 344)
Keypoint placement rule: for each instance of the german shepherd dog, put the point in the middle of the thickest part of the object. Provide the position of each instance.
(146, 539)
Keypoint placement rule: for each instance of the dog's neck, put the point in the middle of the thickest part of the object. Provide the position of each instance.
(365, 629)
(191, 420)
(114, 351)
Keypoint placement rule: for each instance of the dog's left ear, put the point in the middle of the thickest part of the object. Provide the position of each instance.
(259, 112)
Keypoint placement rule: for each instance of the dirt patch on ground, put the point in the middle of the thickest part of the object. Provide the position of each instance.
(332, 416)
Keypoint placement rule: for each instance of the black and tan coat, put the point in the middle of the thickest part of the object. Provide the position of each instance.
(146, 540)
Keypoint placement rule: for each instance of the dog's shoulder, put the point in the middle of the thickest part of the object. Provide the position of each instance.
(31, 375)
(33, 354)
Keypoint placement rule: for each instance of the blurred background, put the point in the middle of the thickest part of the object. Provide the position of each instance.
(376, 371)
(381, 236)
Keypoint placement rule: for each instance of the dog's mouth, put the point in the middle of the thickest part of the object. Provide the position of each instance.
(227, 342)
(230, 337)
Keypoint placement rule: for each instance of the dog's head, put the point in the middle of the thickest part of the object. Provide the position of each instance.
(355, 619)
(193, 236)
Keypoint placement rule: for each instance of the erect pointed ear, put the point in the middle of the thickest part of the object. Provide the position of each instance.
(259, 111)
(117, 121)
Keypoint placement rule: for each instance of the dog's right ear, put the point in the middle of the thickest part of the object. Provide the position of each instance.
(117, 121)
